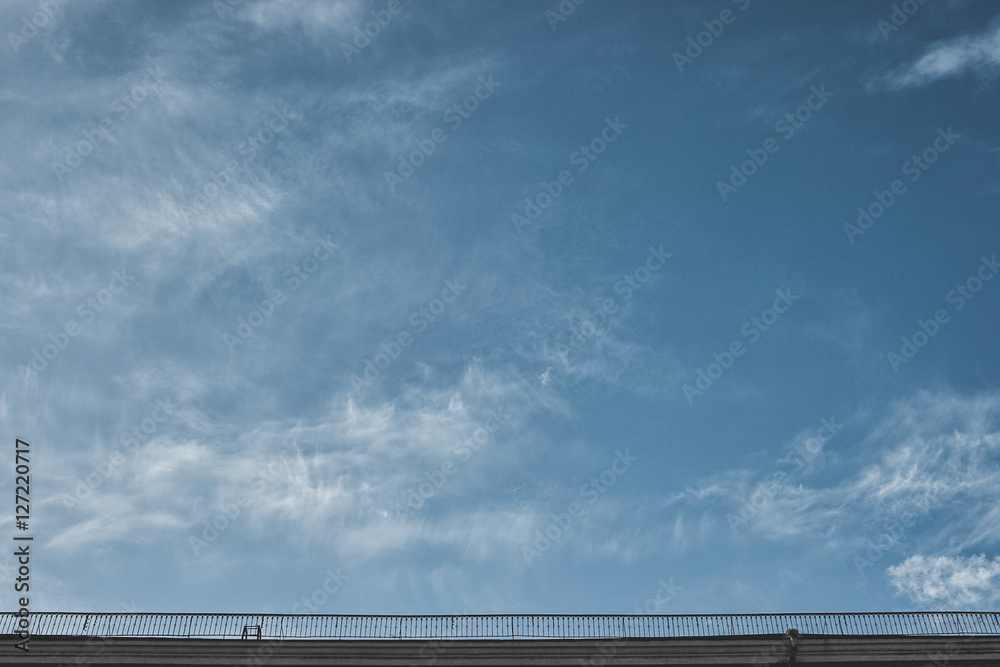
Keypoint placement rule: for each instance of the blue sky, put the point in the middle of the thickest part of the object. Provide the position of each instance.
(503, 307)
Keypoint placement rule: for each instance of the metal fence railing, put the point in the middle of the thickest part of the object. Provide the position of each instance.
(501, 626)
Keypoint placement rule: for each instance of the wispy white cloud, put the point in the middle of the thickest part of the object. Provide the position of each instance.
(309, 15)
(342, 474)
(979, 53)
(948, 581)
(561, 332)
(927, 451)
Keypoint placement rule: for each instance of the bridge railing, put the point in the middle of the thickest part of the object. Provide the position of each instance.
(500, 626)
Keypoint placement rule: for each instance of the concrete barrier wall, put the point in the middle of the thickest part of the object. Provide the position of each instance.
(830, 651)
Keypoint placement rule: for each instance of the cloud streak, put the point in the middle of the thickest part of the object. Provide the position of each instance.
(979, 54)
